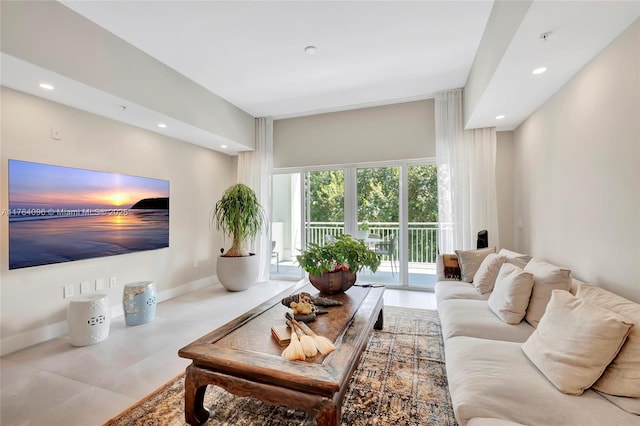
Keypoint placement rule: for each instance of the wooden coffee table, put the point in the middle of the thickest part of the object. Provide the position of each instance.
(244, 359)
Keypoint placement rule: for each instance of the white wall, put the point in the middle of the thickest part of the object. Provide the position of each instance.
(391, 132)
(504, 188)
(32, 302)
(505, 18)
(577, 167)
(52, 36)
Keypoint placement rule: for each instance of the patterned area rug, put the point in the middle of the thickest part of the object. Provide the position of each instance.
(401, 380)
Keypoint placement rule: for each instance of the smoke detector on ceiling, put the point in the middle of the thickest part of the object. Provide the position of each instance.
(545, 36)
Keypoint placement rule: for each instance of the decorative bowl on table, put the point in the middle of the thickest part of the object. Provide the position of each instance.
(332, 267)
(333, 282)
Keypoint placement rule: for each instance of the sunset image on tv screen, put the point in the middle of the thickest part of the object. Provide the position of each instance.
(60, 214)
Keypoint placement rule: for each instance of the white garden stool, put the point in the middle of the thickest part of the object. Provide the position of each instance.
(89, 319)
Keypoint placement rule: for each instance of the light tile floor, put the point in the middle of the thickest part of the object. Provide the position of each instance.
(56, 384)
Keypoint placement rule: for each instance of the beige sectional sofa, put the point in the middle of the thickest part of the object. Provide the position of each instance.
(492, 378)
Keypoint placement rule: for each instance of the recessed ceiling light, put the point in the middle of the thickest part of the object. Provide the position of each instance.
(46, 86)
(310, 50)
(499, 117)
(162, 125)
(539, 70)
(223, 146)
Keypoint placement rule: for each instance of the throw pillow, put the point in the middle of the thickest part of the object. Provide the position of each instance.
(487, 273)
(511, 292)
(470, 261)
(546, 277)
(518, 259)
(575, 341)
(622, 376)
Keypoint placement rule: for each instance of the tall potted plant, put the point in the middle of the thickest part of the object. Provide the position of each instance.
(239, 215)
(332, 267)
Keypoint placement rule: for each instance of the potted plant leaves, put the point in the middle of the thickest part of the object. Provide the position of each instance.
(239, 215)
(332, 267)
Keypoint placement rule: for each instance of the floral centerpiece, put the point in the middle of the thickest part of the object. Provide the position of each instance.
(332, 267)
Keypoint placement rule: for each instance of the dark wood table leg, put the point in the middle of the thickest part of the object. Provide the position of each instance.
(380, 322)
(194, 411)
(329, 416)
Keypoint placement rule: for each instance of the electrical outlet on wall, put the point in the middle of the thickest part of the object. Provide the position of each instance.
(67, 291)
(99, 284)
(56, 133)
(113, 282)
(85, 287)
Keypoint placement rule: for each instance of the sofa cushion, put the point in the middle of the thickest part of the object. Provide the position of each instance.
(470, 261)
(630, 405)
(575, 341)
(457, 290)
(486, 275)
(494, 379)
(511, 293)
(622, 376)
(515, 258)
(465, 317)
(546, 277)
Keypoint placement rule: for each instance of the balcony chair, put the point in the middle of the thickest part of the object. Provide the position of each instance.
(372, 240)
(329, 239)
(388, 248)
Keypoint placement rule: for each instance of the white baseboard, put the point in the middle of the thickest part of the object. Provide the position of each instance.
(59, 329)
(33, 337)
(185, 288)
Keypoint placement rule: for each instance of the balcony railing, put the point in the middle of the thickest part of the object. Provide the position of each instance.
(423, 236)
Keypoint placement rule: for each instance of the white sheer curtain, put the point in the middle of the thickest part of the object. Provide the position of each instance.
(452, 170)
(483, 204)
(466, 177)
(254, 170)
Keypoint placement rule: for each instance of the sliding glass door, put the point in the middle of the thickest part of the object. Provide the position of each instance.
(286, 225)
(378, 218)
(324, 205)
(390, 207)
(422, 224)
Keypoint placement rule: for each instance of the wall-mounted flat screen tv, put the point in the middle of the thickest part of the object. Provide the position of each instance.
(61, 214)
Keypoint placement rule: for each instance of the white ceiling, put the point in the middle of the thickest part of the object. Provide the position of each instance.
(251, 53)
(579, 31)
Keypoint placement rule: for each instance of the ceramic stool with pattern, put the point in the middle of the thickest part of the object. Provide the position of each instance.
(139, 302)
(89, 319)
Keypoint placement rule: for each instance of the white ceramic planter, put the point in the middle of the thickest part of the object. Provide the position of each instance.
(238, 273)
(361, 235)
